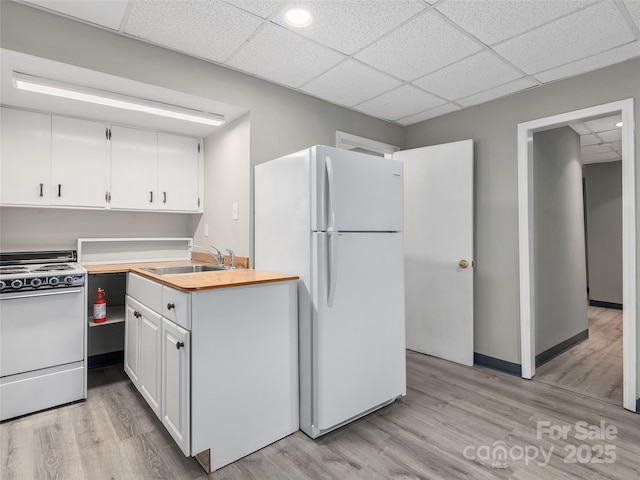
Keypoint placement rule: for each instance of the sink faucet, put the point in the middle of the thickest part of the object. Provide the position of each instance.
(219, 258)
(232, 258)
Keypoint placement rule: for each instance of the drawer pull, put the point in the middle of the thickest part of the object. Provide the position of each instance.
(179, 344)
(170, 306)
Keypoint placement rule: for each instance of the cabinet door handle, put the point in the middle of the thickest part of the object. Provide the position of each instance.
(136, 314)
(164, 199)
(170, 306)
(41, 187)
(179, 344)
(59, 189)
(150, 197)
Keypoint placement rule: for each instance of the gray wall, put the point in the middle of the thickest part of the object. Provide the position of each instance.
(282, 121)
(603, 183)
(24, 229)
(559, 246)
(227, 174)
(493, 128)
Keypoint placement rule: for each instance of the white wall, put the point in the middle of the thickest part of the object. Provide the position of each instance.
(227, 180)
(603, 183)
(559, 245)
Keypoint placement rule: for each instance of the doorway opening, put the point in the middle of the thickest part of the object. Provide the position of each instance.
(527, 257)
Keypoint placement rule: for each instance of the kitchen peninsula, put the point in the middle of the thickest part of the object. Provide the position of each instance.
(214, 355)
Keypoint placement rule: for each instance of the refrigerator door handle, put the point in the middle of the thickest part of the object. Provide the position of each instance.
(333, 266)
(331, 182)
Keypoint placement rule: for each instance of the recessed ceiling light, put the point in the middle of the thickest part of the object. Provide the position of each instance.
(297, 17)
(619, 124)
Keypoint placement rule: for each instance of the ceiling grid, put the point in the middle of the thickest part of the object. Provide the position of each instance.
(403, 61)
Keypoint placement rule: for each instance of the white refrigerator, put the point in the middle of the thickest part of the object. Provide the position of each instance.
(334, 218)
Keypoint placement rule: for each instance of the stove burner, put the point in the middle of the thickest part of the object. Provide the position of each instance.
(12, 270)
(53, 267)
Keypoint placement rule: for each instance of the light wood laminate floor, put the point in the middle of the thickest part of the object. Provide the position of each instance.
(594, 366)
(451, 415)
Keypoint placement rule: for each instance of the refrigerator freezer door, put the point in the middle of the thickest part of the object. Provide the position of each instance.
(354, 192)
(359, 339)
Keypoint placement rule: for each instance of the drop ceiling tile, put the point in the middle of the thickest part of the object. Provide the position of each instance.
(350, 83)
(348, 26)
(579, 35)
(433, 113)
(633, 7)
(590, 139)
(604, 124)
(581, 128)
(399, 103)
(455, 82)
(107, 14)
(284, 57)
(611, 135)
(211, 30)
(501, 91)
(599, 157)
(601, 60)
(419, 47)
(617, 146)
(593, 149)
(262, 8)
(494, 21)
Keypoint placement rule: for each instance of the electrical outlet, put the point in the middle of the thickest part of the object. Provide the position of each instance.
(206, 229)
(234, 215)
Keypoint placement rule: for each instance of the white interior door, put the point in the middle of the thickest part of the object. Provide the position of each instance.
(438, 230)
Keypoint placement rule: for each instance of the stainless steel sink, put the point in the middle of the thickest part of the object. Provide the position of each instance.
(185, 269)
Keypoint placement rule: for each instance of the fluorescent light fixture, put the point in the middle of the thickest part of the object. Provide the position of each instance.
(619, 124)
(297, 17)
(32, 83)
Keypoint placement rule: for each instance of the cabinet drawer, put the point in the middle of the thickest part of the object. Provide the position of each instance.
(176, 306)
(145, 291)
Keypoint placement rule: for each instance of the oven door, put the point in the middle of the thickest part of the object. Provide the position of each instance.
(41, 329)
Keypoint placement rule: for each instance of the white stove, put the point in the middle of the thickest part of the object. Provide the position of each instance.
(23, 271)
(43, 330)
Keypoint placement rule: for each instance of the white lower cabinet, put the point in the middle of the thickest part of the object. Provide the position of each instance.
(228, 364)
(150, 357)
(176, 388)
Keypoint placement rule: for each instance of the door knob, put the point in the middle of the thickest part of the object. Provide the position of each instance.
(463, 264)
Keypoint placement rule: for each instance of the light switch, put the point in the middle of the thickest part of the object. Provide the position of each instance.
(234, 215)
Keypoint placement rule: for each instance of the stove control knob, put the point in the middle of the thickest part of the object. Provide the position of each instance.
(54, 281)
(16, 284)
(3, 285)
(68, 280)
(36, 282)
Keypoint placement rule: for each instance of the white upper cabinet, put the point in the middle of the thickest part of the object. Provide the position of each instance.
(134, 169)
(51, 160)
(25, 158)
(178, 159)
(79, 163)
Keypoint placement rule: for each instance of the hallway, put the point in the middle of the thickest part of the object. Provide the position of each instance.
(593, 367)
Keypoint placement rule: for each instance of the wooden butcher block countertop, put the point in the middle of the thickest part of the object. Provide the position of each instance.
(191, 282)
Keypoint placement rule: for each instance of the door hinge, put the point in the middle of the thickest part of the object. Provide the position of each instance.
(107, 197)
(198, 147)
(198, 202)
(108, 133)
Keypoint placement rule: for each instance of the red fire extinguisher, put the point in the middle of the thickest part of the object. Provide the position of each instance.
(99, 307)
